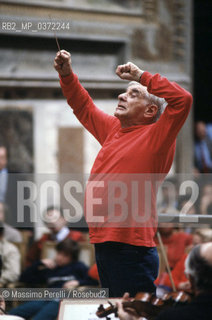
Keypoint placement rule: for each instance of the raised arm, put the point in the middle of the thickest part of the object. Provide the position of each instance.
(176, 112)
(175, 96)
(93, 119)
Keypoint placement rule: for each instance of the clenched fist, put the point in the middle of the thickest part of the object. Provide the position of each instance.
(62, 63)
(129, 71)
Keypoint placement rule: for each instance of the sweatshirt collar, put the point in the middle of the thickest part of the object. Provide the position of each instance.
(132, 128)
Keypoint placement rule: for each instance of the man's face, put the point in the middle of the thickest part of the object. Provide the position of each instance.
(132, 105)
(3, 158)
(54, 221)
(200, 130)
(166, 229)
(62, 259)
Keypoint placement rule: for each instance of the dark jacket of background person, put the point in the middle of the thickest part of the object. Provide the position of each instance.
(55, 278)
(199, 309)
(198, 268)
(9, 178)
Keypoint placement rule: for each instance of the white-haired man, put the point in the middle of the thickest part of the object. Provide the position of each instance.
(198, 268)
(135, 141)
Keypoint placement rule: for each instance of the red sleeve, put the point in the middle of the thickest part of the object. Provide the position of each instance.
(177, 273)
(189, 240)
(93, 119)
(93, 272)
(179, 104)
(76, 235)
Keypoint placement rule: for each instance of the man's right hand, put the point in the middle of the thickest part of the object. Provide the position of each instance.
(62, 63)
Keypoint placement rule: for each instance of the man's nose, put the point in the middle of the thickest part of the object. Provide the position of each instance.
(122, 96)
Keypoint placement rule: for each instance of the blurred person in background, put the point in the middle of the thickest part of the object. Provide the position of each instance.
(206, 199)
(185, 205)
(62, 271)
(3, 172)
(178, 273)
(203, 147)
(168, 196)
(175, 242)
(2, 305)
(3, 314)
(11, 234)
(9, 178)
(198, 269)
(58, 231)
(10, 260)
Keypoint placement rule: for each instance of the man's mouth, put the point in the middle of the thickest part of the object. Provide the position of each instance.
(121, 107)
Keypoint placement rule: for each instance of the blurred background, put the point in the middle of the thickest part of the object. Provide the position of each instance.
(41, 140)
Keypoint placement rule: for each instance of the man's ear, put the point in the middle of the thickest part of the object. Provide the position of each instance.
(151, 111)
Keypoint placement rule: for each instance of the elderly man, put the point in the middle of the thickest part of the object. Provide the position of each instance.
(136, 140)
(198, 268)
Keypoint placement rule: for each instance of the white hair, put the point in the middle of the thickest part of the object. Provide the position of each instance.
(200, 269)
(159, 102)
(188, 269)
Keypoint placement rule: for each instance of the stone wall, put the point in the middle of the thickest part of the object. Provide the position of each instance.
(17, 133)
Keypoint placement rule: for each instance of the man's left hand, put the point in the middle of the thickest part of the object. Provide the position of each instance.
(129, 71)
(129, 314)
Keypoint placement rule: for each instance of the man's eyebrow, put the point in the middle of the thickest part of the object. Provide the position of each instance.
(134, 90)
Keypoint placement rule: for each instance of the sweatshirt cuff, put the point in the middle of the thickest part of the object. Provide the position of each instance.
(146, 76)
(66, 80)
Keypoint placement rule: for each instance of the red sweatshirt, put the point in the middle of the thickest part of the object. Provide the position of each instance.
(178, 273)
(176, 245)
(126, 155)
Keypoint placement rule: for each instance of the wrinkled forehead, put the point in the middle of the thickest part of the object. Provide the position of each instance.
(135, 86)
